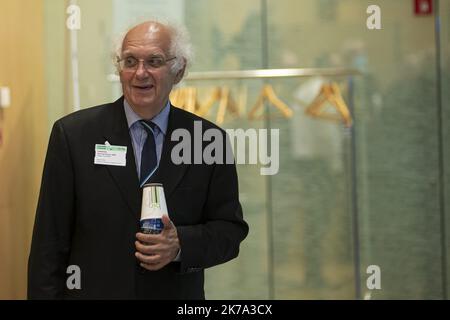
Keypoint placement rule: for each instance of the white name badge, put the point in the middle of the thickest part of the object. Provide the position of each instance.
(110, 155)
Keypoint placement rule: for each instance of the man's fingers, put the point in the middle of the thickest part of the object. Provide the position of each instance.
(146, 249)
(168, 224)
(148, 238)
(153, 259)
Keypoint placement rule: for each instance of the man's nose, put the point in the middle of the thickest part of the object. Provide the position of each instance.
(141, 70)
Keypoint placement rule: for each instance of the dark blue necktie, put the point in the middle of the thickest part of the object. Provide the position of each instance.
(149, 160)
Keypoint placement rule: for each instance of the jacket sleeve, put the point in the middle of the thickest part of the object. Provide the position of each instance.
(218, 239)
(50, 245)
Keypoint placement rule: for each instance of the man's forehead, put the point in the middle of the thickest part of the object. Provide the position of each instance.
(151, 34)
(148, 31)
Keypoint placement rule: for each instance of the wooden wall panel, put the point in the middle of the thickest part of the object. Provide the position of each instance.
(24, 125)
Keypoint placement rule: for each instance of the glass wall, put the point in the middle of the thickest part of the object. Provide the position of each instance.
(398, 159)
(344, 198)
(444, 67)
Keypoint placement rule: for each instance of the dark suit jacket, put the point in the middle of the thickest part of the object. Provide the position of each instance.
(88, 214)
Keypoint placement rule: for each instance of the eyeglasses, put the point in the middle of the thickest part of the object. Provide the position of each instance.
(131, 63)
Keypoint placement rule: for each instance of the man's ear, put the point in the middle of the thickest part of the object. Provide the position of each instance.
(180, 73)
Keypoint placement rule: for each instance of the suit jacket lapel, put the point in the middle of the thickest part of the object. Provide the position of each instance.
(168, 173)
(116, 132)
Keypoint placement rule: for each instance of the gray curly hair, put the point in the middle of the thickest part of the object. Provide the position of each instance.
(180, 45)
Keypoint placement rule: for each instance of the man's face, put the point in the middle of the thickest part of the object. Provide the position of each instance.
(147, 89)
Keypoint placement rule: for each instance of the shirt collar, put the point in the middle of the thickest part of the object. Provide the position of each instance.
(161, 119)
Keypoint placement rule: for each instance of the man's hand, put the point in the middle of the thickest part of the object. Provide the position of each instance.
(154, 251)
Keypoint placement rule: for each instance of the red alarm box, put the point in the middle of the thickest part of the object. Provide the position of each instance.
(423, 7)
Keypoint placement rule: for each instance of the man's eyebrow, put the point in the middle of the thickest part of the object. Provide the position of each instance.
(127, 53)
(155, 55)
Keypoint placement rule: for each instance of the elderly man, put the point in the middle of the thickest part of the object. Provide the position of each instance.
(87, 219)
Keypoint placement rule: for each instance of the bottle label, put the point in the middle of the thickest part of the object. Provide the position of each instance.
(152, 225)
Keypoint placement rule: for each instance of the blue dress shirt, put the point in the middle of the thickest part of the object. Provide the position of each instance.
(139, 135)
